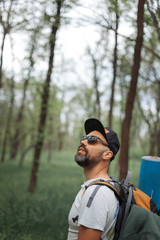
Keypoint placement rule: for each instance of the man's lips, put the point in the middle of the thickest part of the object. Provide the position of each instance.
(81, 149)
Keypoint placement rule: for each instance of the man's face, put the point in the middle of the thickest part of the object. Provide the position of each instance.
(90, 154)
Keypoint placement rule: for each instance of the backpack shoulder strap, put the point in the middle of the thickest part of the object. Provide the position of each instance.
(107, 184)
(116, 183)
(126, 194)
(128, 177)
(126, 211)
(99, 184)
(93, 195)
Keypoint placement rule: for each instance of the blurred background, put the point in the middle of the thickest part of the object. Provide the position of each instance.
(61, 62)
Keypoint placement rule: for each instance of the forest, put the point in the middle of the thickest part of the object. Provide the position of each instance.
(61, 62)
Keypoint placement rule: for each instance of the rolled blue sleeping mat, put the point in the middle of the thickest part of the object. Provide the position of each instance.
(149, 178)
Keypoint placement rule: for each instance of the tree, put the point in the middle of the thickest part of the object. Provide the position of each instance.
(97, 59)
(96, 80)
(6, 29)
(45, 97)
(154, 10)
(114, 66)
(9, 119)
(151, 114)
(124, 150)
(20, 115)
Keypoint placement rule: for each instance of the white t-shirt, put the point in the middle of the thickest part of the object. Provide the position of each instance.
(101, 215)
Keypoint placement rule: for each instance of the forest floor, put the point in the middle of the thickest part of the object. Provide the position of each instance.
(44, 214)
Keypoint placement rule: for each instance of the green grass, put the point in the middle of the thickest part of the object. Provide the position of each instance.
(44, 214)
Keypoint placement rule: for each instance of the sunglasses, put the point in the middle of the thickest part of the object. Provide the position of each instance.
(93, 139)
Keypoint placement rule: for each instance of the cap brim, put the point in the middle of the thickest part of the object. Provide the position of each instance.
(93, 124)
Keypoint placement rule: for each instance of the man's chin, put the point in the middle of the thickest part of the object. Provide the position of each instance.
(81, 160)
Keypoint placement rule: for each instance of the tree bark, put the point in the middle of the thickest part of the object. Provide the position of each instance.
(44, 103)
(24, 153)
(124, 151)
(158, 117)
(114, 70)
(97, 106)
(8, 123)
(158, 142)
(154, 18)
(6, 29)
(153, 138)
(96, 83)
(1, 63)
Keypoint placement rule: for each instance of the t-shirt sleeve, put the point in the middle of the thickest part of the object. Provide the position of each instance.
(96, 215)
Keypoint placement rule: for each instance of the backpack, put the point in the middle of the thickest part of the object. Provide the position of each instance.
(137, 211)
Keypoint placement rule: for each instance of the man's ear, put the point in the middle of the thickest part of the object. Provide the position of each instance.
(107, 155)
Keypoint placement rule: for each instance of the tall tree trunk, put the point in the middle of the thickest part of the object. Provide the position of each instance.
(152, 146)
(98, 107)
(158, 119)
(60, 142)
(154, 17)
(45, 98)
(16, 137)
(96, 83)
(8, 123)
(114, 69)
(1, 63)
(123, 158)
(158, 142)
(24, 153)
(6, 29)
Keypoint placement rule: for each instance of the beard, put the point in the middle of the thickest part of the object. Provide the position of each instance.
(85, 160)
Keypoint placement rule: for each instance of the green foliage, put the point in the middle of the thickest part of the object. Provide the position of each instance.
(44, 214)
(147, 18)
(70, 104)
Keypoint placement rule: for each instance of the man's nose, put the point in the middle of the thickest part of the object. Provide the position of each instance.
(84, 142)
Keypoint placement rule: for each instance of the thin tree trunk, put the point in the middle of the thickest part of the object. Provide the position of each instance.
(158, 142)
(158, 120)
(49, 156)
(153, 139)
(96, 83)
(60, 142)
(98, 107)
(8, 124)
(155, 20)
(44, 104)
(123, 158)
(1, 63)
(24, 153)
(6, 30)
(114, 70)
(16, 138)
(50, 142)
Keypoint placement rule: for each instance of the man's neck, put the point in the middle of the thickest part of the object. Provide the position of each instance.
(94, 172)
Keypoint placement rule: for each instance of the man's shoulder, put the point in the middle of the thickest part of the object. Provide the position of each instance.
(99, 192)
(103, 188)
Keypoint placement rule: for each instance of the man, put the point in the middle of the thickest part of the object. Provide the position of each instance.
(94, 218)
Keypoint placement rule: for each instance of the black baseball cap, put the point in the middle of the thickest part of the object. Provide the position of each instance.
(92, 124)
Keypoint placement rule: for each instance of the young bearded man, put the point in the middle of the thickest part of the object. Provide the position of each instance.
(94, 212)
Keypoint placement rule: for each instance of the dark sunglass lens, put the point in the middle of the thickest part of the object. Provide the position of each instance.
(92, 139)
(83, 138)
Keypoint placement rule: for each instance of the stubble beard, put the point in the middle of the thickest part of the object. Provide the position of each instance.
(85, 160)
